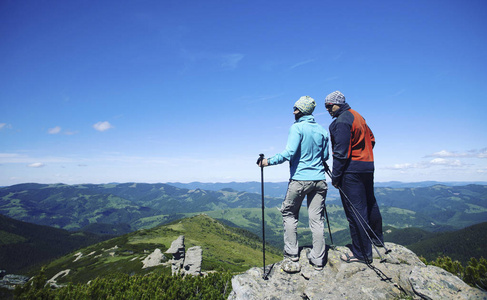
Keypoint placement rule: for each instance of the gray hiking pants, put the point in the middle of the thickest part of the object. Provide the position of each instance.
(316, 194)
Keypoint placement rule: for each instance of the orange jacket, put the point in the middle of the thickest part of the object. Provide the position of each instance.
(352, 143)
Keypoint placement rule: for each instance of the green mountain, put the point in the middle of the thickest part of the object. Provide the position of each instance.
(224, 249)
(453, 206)
(74, 207)
(121, 208)
(23, 245)
(459, 245)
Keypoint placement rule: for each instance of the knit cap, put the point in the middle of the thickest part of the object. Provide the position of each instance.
(335, 98)
(306, 105)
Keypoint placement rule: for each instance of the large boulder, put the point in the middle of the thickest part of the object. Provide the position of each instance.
(177, 250)
(401, 275)
(154, 259)
(192, 261)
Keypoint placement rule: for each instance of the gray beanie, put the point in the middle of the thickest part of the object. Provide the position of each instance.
(335, 98)
(306, 105)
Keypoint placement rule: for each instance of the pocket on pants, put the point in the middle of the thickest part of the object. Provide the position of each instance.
(322, 187)
(294, 196)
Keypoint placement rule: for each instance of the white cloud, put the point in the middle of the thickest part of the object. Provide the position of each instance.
(401, 166)
(301, 63)
(230, 61)
(444, 162)
(5, 126)
(36, 165)
(54, 130)
(427, 164)
(102, 126)
(70, 132)
(482, 153)
(20, 158)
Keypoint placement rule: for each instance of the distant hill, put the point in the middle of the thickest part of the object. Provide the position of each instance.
(445, 206)
(121, 208)
(399, 184)
(74, 207)
(224, 249)
(278, 189)
(271, 189)
(23, 244)
(460, 244)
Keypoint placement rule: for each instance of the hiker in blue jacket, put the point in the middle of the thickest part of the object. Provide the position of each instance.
(306, 151)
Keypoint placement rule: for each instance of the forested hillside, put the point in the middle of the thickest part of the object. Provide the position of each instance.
(23, 245)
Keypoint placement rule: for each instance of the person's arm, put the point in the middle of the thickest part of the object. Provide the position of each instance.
(372, 138)
(326, 153)
(293, 141)
(341, 151)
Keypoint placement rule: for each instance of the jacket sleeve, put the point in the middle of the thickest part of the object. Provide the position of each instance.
(341, 150)
(326, 153)
(293, 141)
(372, 138)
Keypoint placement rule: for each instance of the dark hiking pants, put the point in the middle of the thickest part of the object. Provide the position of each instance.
(359, 187)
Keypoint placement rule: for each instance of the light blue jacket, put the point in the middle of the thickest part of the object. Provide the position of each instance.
(306, 150)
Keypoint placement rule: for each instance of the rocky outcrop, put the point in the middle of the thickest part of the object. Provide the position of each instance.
(154, 259)
(9, 281)
(402, 275)
(192, 262)
(177, 250)
(186, 263)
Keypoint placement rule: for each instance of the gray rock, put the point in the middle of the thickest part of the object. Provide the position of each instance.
(401, 275)
(290, 266)
(154, 259)
(192, 261)
(436, 283)
(176, 245)
(177, 250)
(9, 281)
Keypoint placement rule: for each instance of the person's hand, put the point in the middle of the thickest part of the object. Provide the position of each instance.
(335, 181)
(263, 163)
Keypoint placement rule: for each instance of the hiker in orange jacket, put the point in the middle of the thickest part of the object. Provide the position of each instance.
(353, 171)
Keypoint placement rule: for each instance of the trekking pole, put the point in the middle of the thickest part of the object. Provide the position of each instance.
(259, 162)
(361, 220)
(332, 246)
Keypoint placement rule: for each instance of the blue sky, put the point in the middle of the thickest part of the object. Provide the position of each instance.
(164, 91)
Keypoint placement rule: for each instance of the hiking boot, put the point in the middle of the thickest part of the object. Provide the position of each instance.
(290, 266)
(294, 258)
(378, 243)
(315, 266)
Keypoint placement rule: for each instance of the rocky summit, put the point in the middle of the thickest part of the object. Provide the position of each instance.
(399, 274)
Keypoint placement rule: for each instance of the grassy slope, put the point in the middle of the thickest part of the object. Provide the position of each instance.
(224, 248)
